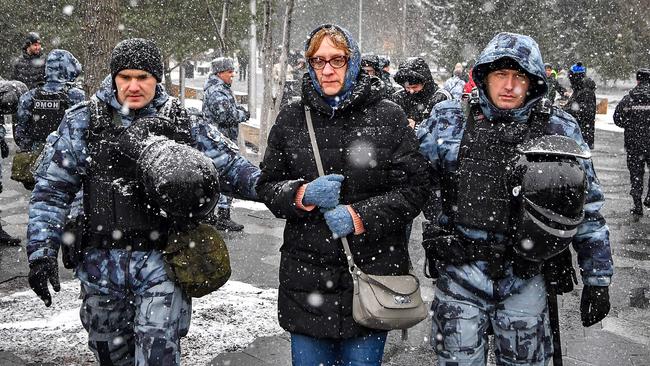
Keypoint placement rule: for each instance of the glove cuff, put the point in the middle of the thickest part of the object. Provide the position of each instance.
(300, 194)
(356, 221)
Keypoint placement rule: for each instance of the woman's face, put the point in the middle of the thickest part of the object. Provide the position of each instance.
(331, 79)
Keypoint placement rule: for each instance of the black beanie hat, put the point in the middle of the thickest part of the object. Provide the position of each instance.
(643, 75)
(137, 54)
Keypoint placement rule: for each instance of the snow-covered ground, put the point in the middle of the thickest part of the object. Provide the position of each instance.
(224, 321)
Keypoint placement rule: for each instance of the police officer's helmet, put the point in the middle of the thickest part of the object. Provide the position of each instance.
(549, 190)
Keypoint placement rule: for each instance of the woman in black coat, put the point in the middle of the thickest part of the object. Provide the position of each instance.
(375, 184)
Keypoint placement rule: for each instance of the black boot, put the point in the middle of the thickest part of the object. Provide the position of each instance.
(225, 223)
(7, 240)
(637, 209)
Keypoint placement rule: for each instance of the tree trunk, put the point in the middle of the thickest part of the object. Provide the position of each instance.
(101, 34)
(168, 74)
(267, 68)
(286, 38)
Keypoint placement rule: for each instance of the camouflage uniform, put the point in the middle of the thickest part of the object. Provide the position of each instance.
(133, 312)
(61, 69)
(220, 109)
(467, 301)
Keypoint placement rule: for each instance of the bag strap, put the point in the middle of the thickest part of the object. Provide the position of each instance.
(321, 172)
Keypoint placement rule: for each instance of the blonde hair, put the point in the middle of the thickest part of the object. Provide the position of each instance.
(336, 37)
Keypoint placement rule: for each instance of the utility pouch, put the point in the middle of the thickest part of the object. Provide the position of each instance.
(22, 166)
(72, 243)
(197, 260)
(559, 272)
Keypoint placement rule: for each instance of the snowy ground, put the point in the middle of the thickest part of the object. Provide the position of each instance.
(224, 321)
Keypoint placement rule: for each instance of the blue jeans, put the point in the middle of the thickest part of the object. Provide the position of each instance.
(360, 351)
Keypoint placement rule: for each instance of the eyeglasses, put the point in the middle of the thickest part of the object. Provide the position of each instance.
(336, 62)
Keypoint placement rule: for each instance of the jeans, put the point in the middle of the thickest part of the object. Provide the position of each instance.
(359, 351)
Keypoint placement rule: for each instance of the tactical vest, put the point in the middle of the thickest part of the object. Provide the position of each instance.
(117, 213)
(47, 113)
(476, 195)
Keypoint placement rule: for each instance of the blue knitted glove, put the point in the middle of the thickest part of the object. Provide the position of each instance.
(339, 221)
(323, 191)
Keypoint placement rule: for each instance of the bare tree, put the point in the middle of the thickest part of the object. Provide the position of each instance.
(286, 40)
(101, 33)
(271, 104)
(267, 68)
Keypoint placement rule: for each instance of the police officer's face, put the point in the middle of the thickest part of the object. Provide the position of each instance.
(331, 80)
(413, 88)
(226, 76)
(34, 48)
(507, 88)
(369, 70)
(135, 88)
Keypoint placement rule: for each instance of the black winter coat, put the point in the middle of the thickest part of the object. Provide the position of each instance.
(30, 69)
(418, 106)
(582, 106)
(363, 139)
(633, 114)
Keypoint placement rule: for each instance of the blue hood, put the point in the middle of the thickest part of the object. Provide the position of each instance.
(351, 75)
(525, 52)
(61, 67)
(106, 94)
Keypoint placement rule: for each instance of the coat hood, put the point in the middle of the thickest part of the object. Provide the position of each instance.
(214, 80)
(354, 65)
(61, 67)
(524, 51)
(414, 70)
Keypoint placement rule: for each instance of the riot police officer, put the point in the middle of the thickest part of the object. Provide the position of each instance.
(146, 169)
(633, 114)
(513, 200)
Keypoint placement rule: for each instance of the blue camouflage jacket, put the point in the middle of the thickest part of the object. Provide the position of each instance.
(220, 107)
(61, 69)
(65, 157)
(440, 137)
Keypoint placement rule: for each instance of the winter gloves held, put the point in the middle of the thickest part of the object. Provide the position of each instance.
(323, 191)
(340, 222)
(41, 271)
(4, 149)
(594, 304)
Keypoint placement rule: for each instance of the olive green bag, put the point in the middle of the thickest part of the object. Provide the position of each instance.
(197, 260)
(23, 165)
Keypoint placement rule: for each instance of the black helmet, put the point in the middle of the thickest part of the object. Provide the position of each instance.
(179, 179)
(10, 92)
(549, 188)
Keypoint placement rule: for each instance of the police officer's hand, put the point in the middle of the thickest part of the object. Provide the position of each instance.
(247, 114)
(594, 304)
(41, 271)
(444, 248)
(323, 191)
(4, 149)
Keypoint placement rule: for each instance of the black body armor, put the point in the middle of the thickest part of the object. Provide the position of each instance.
(116, 208)
(47, 113)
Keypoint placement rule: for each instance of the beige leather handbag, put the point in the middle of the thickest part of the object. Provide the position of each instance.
(379, 302)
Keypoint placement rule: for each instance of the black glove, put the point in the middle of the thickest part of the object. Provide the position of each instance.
(443, 248)
(4, 149)
(247, 114)
(594, 304)
(41, 271)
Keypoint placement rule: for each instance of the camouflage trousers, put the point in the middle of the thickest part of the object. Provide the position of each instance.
(463, 318)
(134, 314)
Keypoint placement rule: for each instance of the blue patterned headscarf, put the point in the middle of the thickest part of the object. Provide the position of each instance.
(352, 73)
